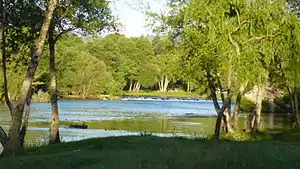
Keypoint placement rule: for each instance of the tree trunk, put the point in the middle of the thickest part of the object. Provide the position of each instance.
(271, 120)
(297, 113)
(26, 119)
(166, 84)
(226, 117)
(238, 105)
(3, 137)
(3, 52)
(251, 116)
(261, 89)
(161, 84)
(188, 87)
(219, 110)
(130, 85)
(13, 143)
(54, 126)
(137, 86)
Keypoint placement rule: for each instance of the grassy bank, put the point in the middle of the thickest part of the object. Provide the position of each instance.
(147, 152)
(180, 94)
(192, 126)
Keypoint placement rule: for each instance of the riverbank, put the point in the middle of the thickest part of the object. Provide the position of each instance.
(145, 152)
(43, 97)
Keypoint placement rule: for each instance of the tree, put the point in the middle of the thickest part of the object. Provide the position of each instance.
(167, 61)
(82, 17)
(79, 72)
(13, 143)
(287, 50)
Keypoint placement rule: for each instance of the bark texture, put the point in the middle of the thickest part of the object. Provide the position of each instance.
(238, 105)
(3, 136)
(26, 119)
(254, 117)
(220, 111)
(163, 84)
(54, 126)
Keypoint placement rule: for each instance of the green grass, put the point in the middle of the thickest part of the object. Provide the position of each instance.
(149, 152)
(204, 126)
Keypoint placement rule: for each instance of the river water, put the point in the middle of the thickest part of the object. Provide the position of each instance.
(113, 111)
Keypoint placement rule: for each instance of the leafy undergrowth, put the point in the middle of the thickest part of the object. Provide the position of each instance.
(145, 152)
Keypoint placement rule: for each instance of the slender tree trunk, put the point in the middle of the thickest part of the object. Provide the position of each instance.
(161, 84)
(166, 84)
(3, 52)
(26, 119)
(251, 116)
(258, 108)
(13, 143)
(130, 85)
(297, 113)
(188, 87)
(238, 105)
(137, 86)
(54, 126)
(3, 137)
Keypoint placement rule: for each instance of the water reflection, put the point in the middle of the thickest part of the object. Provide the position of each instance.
(118, 118)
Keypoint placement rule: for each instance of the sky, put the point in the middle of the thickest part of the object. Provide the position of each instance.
(132, 19)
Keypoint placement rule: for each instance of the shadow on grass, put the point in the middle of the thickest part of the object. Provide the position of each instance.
(291, 135)
(148, 152)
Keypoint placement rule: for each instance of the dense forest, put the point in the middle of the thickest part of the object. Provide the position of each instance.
(55, 49)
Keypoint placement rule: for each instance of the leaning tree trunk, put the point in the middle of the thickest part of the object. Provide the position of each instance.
(13, 143)
(54, 126)
(26, 119)
(238, 105)
(219, 110)
(3, 136)
(137, 86)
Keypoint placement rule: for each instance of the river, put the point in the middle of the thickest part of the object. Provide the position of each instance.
(130, 116)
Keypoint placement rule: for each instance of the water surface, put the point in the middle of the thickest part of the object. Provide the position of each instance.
(130, 116)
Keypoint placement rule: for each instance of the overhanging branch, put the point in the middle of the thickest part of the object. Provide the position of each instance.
(63, 32)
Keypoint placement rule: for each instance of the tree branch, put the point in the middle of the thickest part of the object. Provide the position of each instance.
(226, 103)
(3, 48)
(232, 41)
(258, 38)
(61, 33)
